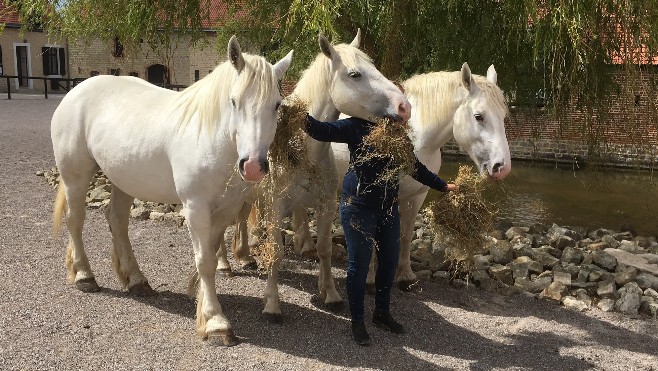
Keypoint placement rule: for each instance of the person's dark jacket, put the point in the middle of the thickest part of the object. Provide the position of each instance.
(363, 183)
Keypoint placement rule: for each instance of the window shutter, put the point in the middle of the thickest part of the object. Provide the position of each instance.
(62, 62)
(44, 59)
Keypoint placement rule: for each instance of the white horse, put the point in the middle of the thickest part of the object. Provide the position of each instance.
(341, 79)
(458, 104)
(163, 146)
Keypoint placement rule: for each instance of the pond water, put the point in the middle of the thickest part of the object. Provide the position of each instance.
(593, 198)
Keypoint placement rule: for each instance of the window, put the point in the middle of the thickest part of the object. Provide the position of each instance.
(196, 75)
(118, 48)
(54, 60)
(115, 71)
(134, 74)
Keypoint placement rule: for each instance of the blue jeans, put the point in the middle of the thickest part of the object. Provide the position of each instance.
(367, 228)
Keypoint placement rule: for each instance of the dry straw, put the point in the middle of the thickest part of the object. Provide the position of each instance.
(390, 140)
(463, 218)
(288, 156)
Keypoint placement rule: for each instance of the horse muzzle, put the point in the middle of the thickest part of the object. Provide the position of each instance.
(253, 169)
(497, 170)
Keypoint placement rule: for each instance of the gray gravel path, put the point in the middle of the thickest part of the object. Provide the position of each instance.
(47, 324)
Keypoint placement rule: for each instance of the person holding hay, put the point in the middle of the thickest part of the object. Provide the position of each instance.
(370, 216)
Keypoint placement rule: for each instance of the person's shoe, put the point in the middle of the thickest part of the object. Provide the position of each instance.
(360, 334)
(385, 321)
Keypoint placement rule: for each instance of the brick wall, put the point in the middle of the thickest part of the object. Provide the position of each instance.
(626, 136)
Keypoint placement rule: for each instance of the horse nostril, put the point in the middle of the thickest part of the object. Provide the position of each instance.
(265, 166)
(497, 166)
(241, 165)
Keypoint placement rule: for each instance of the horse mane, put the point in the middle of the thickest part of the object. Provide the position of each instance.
(435, 96)
(204, 98)
(316, 78)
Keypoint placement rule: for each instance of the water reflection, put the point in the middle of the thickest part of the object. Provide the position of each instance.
(539, 193)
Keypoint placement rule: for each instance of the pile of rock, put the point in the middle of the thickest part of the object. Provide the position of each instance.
(581, 269)
(98, 197)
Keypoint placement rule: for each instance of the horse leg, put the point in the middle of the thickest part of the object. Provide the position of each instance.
(408, 210)
(223, 265)
(303, 243)
(241, 250)
(211, 322)
(124, 263)
(326, 284)
(272, 310)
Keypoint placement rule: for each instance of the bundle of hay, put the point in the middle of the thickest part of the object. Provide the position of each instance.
(390, 140)
(463, 218)
(288, 150)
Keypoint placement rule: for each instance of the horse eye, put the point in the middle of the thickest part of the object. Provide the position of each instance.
(354, 74)
(277, 106)
(479, 117)
(233, 102)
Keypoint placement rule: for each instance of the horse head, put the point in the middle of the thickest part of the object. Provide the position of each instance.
(254, 99)
(358, 88)
(479, 126)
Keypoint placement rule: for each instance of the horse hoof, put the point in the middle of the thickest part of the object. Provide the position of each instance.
(407, 285)
(370, 289)
(251, 266)
(142, 289)
(225, 272)
(87, 285)
(335, 307)
(223, 337)
(273, 317)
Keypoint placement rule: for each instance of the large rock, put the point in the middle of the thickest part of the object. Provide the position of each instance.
(561, 242)
(606, 305)
(501, 252)
(575, 304)
(646, 281)
(604, 260)
(562, 277)
(629, 299)
(550, 250)
(648, 306)
(554, 292)
(610, 241)
(515, 232)
(631, 247)
(502, 273)
(522, 249)
(632, 260)
(556, 231)
(651, 292)
(572, 255)
(625, 276)
(607, 289)
(547, 260)
(599, 233)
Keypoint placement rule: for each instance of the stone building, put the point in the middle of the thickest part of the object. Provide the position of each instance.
(33, 54)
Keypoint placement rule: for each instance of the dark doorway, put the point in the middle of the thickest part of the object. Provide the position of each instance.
(157, 74)
(21, 61)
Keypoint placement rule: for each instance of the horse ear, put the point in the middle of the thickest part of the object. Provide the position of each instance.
(467, 79)
(326, 47)
(357, 39)
(235, 54)
(282, 66)
(492, 76)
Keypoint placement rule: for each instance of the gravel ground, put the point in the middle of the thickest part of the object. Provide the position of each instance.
(47, 324)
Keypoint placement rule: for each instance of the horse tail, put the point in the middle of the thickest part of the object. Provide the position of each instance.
(59, 208)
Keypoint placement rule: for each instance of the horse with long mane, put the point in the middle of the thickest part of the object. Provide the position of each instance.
(341, 79)
(445, 105)
(159, 145)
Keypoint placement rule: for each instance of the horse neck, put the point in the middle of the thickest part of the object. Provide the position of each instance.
(314, 88)
(432, 126)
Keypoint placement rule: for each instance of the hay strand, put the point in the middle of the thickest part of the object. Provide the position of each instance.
(390, 140)
(463, 218)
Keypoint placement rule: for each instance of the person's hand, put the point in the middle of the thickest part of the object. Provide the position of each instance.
(452, 188)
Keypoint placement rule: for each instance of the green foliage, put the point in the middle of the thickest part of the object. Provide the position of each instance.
(558, 52)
